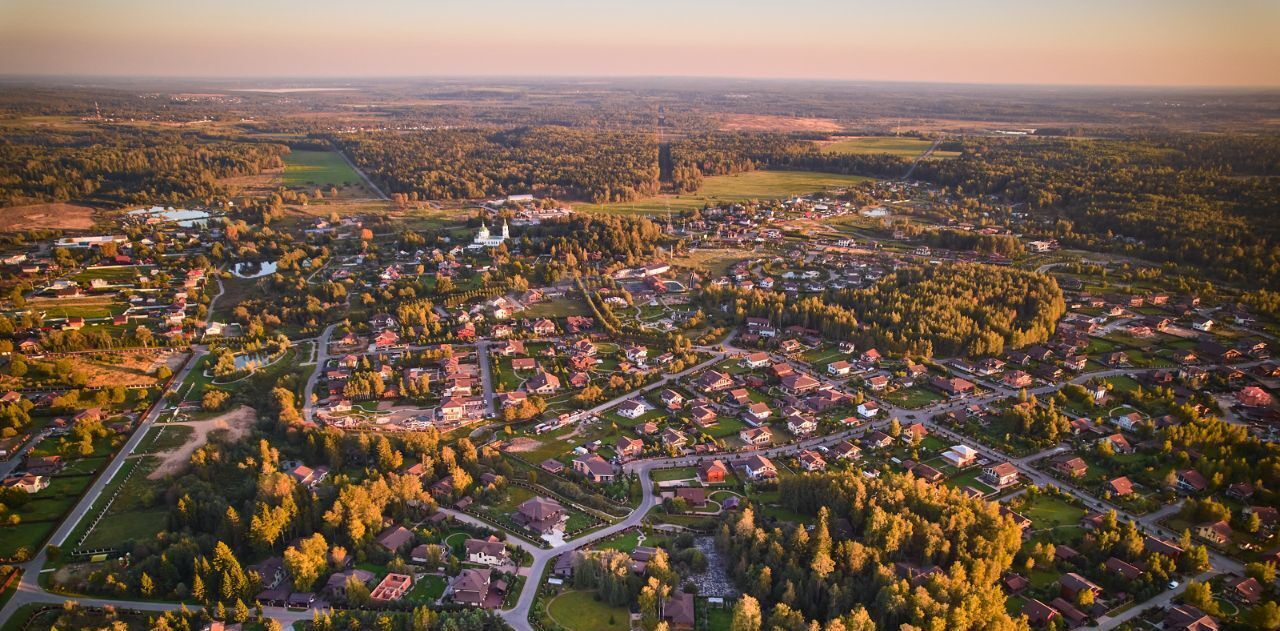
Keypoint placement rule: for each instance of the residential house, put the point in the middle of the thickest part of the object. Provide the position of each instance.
(713, 472)
(541, 515)
(594, 467)
(1219, 532)
(394, 538)
(1000, 475)
(1071, 466)
(1120, 487)
(754, 360)
(543, 383)
(629, 447)
(1071, 584)
(488, 551)
(758, 467)
(811, 460)
(756, 436)
(1190, 481)
(471, 587)
(633, 408)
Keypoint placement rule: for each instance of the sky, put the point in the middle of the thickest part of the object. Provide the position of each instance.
(1091, 42)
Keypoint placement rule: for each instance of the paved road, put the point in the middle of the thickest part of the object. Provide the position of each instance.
(518, 616)
(322, 361)
(372, 187)
(29, 590)
(15, 459)
(486, 378)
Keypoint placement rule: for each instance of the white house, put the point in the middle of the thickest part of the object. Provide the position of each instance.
(489, 551)
(839, 368)
(633, 409)
(960, 456)
(868, 409)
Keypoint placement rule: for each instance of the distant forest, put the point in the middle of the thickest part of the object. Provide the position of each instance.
(926, 310)
(114, 168)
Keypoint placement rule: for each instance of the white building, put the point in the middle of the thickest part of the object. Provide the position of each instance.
(485, 239)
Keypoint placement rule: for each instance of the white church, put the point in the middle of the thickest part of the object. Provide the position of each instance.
(485, 239)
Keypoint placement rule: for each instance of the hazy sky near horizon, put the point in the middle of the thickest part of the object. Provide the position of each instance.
(1126, 42)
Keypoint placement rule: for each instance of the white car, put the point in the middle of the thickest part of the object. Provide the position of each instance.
(1174, 584)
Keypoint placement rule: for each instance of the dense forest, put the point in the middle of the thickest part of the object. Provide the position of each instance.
(1207, 201)
(873, 536)
(116, 167)
(942, 310)
(560, 162)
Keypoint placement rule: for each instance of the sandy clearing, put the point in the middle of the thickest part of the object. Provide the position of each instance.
(520, 444)
(236, 422)
(55, 215)
(767, 122)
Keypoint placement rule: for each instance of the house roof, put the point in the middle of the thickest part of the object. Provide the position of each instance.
(539, 508)
(394, 537)
(679, 609)
(491, 546)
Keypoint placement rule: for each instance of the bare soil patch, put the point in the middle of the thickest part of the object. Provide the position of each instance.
(236, 423)
(261, 184)
(521, 444)
(57, 216)
(135, 369)
(766, 122)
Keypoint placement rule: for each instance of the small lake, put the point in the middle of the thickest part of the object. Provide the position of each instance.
(251, 361)
(184, 217)
(254, 269)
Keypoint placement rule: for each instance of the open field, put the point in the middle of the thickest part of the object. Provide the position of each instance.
(236, 421)
(768, 122)
(86, 307)
(129, 369)
(58, 216)
(714, 261)
(318, 168)
(892, 145)
(721, 189)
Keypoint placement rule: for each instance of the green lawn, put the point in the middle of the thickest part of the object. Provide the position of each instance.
(722, 189)
(626, 543)
(317, 168)
(27, 536)
(682, 473)
(1046, 512)
(95, 308)
(162, 438)
(914, 397)
(719, 618)
(134, 525)
(427, 589)
(580, 611)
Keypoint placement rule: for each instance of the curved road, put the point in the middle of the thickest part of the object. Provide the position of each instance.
(29, 590)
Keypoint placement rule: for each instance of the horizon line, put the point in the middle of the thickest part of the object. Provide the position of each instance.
(68, 77)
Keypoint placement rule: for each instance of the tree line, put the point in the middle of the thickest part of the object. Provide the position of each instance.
(922, 310)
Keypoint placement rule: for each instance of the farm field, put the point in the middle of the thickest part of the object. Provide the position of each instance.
(58, 216)
(896, 146)
(740, 187)
(318, 168)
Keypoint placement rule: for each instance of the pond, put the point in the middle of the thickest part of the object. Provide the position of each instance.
(251, 361)
(254, 269)
(185, 218)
